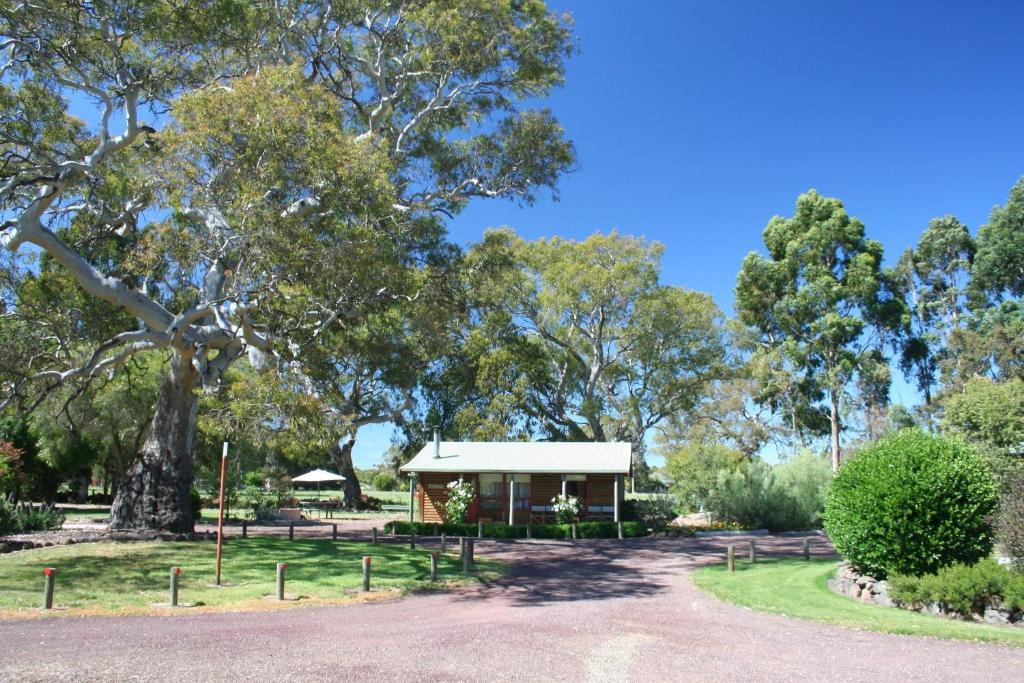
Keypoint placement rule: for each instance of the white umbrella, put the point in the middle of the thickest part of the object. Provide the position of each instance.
(317, 476)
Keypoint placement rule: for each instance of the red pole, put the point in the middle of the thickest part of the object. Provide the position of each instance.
(220, 512)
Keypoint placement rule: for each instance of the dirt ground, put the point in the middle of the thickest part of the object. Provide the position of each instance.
(592, 611)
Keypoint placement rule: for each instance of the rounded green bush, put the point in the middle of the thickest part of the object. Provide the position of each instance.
(911, 504)
(384, 481)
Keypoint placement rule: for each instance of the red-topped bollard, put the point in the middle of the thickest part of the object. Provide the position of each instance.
(366, 571)
(175, 573)
(49, 576)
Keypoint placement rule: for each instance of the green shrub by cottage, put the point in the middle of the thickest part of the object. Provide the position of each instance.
(911, 504)
(965, 588)
(789, 496)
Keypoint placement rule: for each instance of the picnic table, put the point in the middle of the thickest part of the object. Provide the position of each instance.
(324, 508)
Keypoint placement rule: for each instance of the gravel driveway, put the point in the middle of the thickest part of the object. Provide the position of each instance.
(596, 611)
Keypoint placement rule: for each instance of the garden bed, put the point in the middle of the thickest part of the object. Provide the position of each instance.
(985, 592)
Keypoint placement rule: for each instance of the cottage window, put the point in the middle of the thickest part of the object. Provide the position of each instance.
(492, 495)
(522, 492)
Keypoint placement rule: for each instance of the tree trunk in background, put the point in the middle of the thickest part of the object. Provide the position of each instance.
(341, 455)
(155, 492)
(834, 419)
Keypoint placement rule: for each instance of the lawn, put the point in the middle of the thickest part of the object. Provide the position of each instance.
(797, 588)
(130, 577)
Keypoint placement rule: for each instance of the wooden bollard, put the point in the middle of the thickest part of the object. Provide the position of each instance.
(245, 528)
(412, 541)
(175, 573)
(621, 536)
(807, 549)
(280, 580)
(575, 531)
(479, 529)
(529, 529)
(462, 547)
(433, 566)
(49, 577)
(291, 530)
(753, 551)
(366, 572)
(334, 532)
(444, 542)
(730, 557)
(467, 557)
(375, 535)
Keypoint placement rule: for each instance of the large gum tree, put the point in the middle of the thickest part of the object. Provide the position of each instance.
(218, 201)
(818, 304)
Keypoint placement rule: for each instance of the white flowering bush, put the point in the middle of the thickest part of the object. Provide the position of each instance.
(566, 508)
(460, 496)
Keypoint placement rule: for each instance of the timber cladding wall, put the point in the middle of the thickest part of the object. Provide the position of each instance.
(544, 487)
(600, 489)
(434, 488)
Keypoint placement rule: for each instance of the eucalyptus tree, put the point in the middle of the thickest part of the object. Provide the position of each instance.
(933, 278)
(818, 302)
(621, 352)
(262, 181)
(994, 339)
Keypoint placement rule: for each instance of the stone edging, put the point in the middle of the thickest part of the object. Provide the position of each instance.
(863, 588)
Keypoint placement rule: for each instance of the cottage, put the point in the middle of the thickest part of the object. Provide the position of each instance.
(514, 482)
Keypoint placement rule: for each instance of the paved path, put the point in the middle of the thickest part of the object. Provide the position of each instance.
(599, 611)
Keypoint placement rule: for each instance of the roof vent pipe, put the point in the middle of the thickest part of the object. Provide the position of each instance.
(437, 445)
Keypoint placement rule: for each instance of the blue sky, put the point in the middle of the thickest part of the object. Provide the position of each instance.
(696, 122)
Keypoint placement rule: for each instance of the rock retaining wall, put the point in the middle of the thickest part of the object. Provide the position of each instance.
(863, 588)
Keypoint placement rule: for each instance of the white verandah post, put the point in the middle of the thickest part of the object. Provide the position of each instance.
(617, 489)
(511, 499)
(412, 497)
(563, 487)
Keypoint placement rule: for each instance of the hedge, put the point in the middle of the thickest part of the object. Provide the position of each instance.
(556, 531)
(911, 504)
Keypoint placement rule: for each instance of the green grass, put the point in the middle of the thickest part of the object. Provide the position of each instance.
(797, 588)
(130, 577)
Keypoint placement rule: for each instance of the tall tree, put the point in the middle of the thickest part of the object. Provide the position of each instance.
(817, 299)
(264, 181)
(992, 344)
(620, 351)
(933, 278)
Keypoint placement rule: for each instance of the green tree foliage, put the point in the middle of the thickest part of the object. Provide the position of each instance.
(789, 496)
(988, 413)
(818, 304)
(998, 270)
(694, 467)
(302, 137)
(911, 504)
(600, 351)
(933, 278)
